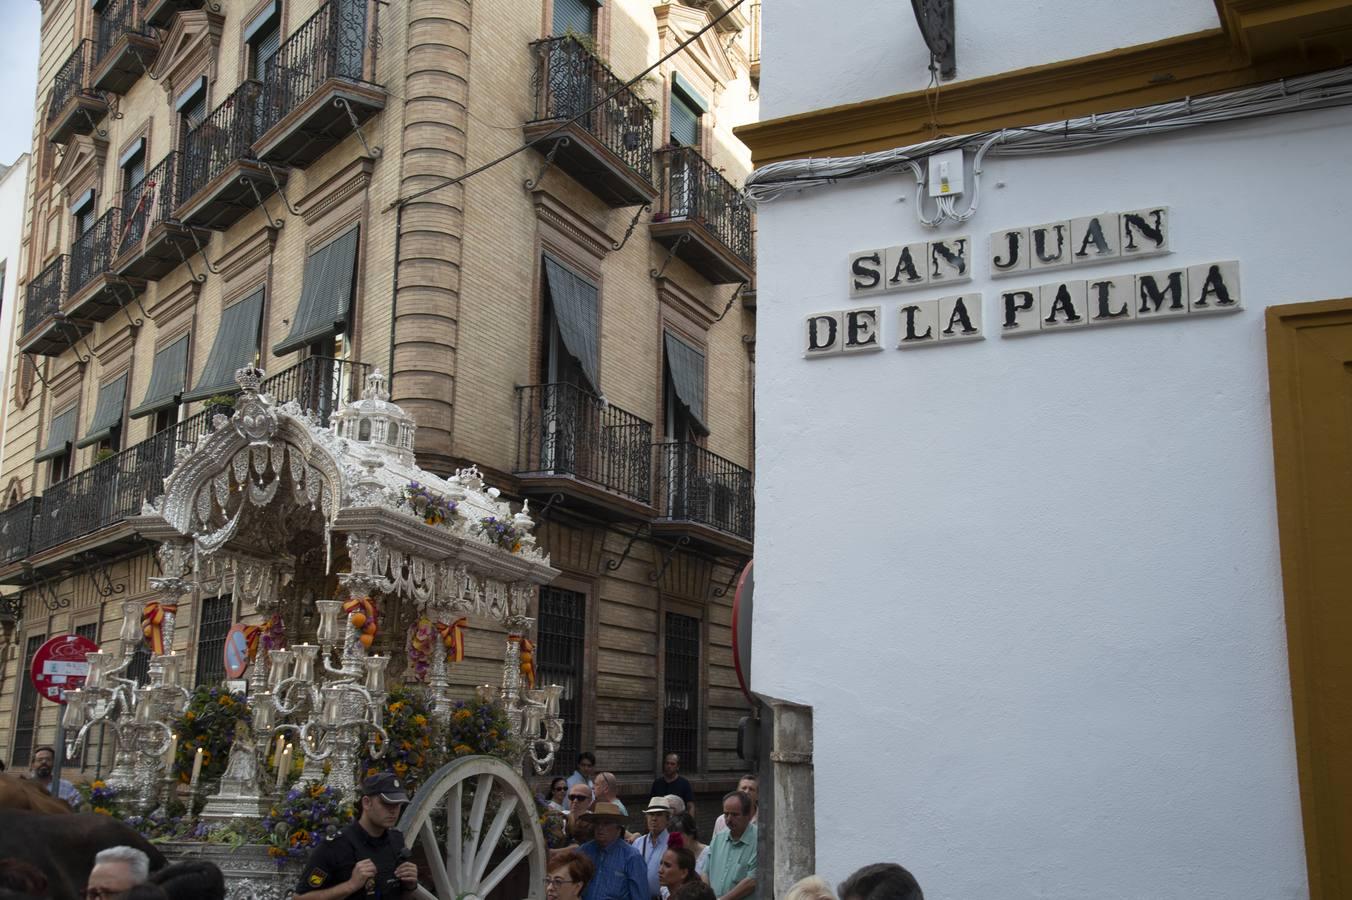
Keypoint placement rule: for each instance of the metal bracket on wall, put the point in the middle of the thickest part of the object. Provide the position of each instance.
(731, 300)
(656, 576)
(939, 30)
(555, 499)
(276, 183)
(93, 125)
(613, 564)
(47, 594)
(736, 570)
(11, 609)
(267, 213)
(531, 184)
(200, 279)
(144, 68)
(71, 341)
(202, 250)
(131, 298)
(671, 254)
(373, 152)
(99, 576)
(630, 230)
(37, 370)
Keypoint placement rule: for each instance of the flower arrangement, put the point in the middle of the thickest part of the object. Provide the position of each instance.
(430, 506)
(411, 754)
(552, 823)
(209, 723)
(274, 634)
(101, 798)
(310, 813)
(504, 534)
(425, 635)
(479, 727)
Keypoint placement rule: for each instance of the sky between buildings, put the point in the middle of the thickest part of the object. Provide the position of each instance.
(20, 27)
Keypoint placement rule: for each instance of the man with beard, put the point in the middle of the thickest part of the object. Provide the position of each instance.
(44, 760)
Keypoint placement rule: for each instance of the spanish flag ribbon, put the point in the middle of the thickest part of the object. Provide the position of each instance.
(252, 634)
(527, 660)
(453, 637)
(152, 623)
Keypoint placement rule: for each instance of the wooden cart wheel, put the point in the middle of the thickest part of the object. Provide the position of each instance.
(452, 845)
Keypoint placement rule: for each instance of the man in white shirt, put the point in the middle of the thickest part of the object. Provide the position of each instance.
(747, 785)
(653, 844)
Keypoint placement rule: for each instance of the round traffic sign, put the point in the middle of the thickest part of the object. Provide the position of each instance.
(236, 651)
(60, 666)
(741, 631)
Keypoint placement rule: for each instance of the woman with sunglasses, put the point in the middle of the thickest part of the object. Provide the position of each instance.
(569, 872)
(558, 791)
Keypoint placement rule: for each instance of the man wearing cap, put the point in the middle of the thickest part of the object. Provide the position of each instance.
(620, 874)
(363, 860)
(653, 844)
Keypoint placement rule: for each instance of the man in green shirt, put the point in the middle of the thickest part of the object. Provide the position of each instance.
(732, 855)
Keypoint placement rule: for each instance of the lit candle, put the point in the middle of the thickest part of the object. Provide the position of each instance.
(196, 771)
(173, 752)
(281, 745)
(283, 767)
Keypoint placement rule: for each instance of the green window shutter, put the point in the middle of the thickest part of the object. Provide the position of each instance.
(686, 365)
(107, 412)
(168, 378)
(573, 299)
(685, 121)
(236, 346)
(59, 436)
(325, 295)
(576, 16)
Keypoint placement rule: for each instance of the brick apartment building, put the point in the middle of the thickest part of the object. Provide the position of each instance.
(223, 182)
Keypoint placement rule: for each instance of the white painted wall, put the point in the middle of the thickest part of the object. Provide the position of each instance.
(818, 54)
(1031, 587)
(12, 184)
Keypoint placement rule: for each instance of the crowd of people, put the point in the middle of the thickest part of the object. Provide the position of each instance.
(120, 873)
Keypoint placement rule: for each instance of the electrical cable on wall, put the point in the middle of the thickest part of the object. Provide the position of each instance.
(1328, 89)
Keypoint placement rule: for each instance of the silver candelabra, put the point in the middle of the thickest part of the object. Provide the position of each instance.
(532, 713)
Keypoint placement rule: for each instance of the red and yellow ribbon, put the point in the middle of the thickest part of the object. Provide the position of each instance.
(252, 634)
(152, 623)
(453, 638)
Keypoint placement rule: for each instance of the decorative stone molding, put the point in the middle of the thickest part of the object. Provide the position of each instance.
(190, 48)
(170, 306)
(249, 251)
(82, 165)
(572, 227)
(348, 182)
(677, 23)
(676, 298)
(116, 345)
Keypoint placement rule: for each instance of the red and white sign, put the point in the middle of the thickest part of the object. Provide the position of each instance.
(60, 666)
(741, 631)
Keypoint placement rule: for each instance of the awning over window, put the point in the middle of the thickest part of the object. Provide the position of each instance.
(168, 378)
(236, 346)
(59, 436)
(108, 412)
(574, 302)
(686, 365)
(326, 294)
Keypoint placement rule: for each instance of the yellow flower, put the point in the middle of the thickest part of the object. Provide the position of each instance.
(276, 852)
(226, 700)
(462, 749)
(190, 715)
(98, 785)
(462, 715)
(400, 769)
(396, 706)
(102, 810)
(420, 720)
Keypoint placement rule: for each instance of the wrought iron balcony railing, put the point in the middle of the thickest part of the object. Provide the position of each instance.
(319, 384)
(563, 429)
(119, 17)
(148, 203)
(92, 253)
(569, 80)
(72, 79)
(16, 530)
(695, 191)
(696, 485)
(329, 44)
(113, 489)
(46, 292)
(225, 136)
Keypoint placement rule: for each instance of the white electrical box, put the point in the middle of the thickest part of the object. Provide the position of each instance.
(945, 174)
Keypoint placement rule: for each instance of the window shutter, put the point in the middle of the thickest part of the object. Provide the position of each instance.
(576, 16)
(685, 124)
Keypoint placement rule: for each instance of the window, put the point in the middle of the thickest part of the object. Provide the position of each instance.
(59, 448)
(216, 615)
(26, 716)
(133, 165)
(687, 109)
(563, 629)
(575, 17)
(192, 107)
(263, 35)
(83, 213)
(682, 390)
(569, 354)
(680, 716)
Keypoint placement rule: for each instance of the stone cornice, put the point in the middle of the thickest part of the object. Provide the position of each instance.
(247, 252)
(171, 304)
(552, 211)
(348, 182)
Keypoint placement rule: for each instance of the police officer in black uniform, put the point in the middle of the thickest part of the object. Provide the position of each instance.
(364, 859)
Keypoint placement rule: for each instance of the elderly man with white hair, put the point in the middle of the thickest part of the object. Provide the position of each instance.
(116, 871)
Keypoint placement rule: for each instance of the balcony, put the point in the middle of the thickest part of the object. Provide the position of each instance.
(153, 242)
(220, 180)
(160, 13)
(597, 455)
(46, 329)
(318, 384)
(125, 48)
(96, 290)
(75, 106)
(703, 218)
(704, 497)
(16, 531)
(608, 150)
(317, 88)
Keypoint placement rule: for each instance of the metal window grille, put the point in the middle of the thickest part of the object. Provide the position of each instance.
(216, 612)
(562, 642)
(680, 717)
(25, 718)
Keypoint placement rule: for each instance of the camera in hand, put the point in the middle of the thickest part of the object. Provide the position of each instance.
(394, 884)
